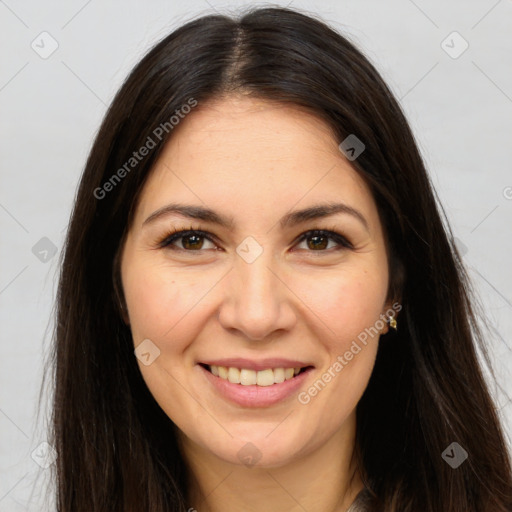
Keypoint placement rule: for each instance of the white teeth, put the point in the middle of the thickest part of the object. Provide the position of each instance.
(247, 377)
(288, 373)
(234, 375)
(265, 378)
(279, 375)
(223, 372)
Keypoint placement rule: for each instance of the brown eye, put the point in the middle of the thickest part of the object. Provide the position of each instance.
(318, 240)
(191, 240)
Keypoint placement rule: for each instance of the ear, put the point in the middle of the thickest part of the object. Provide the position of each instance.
(385, 329)
(391, 309)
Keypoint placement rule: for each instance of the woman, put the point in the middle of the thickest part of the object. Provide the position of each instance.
(260, 306)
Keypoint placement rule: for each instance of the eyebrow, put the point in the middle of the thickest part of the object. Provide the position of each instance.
(289, 220)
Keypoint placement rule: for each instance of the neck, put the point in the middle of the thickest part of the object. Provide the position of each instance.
(324, 480)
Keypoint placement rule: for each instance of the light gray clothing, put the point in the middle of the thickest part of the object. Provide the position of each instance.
(360, 504)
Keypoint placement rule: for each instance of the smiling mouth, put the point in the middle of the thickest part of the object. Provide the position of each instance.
(248, 377)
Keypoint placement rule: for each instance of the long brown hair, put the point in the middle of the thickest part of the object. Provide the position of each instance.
(116, 448)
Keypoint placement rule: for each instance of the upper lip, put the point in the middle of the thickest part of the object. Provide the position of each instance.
(251, 364)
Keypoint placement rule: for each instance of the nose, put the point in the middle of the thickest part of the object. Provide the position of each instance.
(257, 300)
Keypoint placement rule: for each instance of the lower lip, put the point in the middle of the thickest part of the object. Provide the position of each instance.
(256, 396)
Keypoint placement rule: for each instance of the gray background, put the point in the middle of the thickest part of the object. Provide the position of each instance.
(459, 105)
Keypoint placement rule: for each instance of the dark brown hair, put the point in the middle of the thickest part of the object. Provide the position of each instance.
(117, 450)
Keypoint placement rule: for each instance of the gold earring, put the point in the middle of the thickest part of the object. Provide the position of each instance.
(392, 322)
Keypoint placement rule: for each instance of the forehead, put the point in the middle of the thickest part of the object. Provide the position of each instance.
(243, 127)
(240, 154)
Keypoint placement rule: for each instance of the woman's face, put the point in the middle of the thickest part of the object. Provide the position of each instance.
(261, 294)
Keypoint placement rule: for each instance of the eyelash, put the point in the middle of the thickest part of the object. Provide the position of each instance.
(176, 234)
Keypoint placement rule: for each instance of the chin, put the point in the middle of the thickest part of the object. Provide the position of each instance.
(263, 449)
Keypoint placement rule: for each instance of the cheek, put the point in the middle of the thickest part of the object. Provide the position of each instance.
(347, 304)
(163, 306)
(348, 307)
(157, 299)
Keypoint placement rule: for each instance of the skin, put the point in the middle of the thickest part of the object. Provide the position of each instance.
(255, 161)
